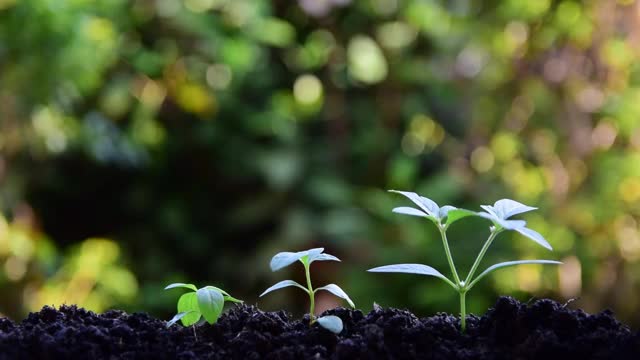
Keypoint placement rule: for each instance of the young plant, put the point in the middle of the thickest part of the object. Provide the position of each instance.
(499, 214)
(284, 259)
(206, 302)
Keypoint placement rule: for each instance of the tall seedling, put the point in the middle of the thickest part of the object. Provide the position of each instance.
(499, 214)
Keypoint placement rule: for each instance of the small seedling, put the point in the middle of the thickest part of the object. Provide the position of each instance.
(284, 259)
(443, 217)
(206, 302)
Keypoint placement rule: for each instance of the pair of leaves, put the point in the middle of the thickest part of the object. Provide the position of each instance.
(206, 302)
(507, 208)
(225, 294)
(503, 209)
(332, 288)
(430, 209)
(498, 214)
(429, 271)
(284, 259)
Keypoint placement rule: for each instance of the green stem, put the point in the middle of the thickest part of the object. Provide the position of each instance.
(312, 305)
(463, 312)
(445, 243)
(484, 249)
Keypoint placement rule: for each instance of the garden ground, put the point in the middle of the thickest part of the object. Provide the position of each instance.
(509, 330)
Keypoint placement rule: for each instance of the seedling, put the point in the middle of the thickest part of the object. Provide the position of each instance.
(206, 302)
(284, 259)
(443, 217)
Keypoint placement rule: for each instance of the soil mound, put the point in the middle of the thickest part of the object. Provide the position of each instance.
(510, 330)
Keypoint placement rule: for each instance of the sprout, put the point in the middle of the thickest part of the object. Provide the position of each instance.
(206, 302)
(443, 217)
(284, 259)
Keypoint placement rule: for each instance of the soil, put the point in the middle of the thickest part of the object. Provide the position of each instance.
(510, 330)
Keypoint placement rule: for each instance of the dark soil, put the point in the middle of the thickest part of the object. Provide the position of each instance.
(510, 330)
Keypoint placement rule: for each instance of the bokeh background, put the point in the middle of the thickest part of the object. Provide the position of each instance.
(144, 142)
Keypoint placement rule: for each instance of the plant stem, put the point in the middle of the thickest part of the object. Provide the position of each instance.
(311, 295)
(463, 312)
(445, 243)
(484, 249)
(464, 287)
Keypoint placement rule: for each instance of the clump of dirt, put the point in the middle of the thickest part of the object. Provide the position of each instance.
(510, 330)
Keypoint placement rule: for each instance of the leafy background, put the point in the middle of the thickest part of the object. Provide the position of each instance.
(149, 141)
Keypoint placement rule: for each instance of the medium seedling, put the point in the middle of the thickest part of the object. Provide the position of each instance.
(206, 302)
(443, 217)
(284, 259)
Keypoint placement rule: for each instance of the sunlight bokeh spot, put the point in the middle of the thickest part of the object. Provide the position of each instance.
(504, 146)
(425, 131)
(219, 76)
(590, 99)
(195, 98)
(100, 30)
(15, 268)
(152, 93)
(617, 53)
(568, 14)
(629, 189)
(395, 35)
(50, 125)
(482, 159)
(367, 63)
(471, 60)
(274, 31)
(604, 135)
(307, 89)
(412, 144)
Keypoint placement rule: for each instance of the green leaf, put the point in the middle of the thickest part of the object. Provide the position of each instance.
(188, 303)
(217, 289)
(427, 205)
(337, 291)
(305, 260)
(510, 263)
(210, 302)
(225, 294)
(322, 257)
(511, 224)
(232, 299)
(283, 284)
(500, 222)
(442, 213)
(331, 323)
(410, 211)
(177, 317)
(506, 208)
(181, 285)
(408, 269)
(412, 269)
(284, 259)
(535, 236)
(454, 215)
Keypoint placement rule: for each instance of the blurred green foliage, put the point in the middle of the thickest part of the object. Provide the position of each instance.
(190, 139)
